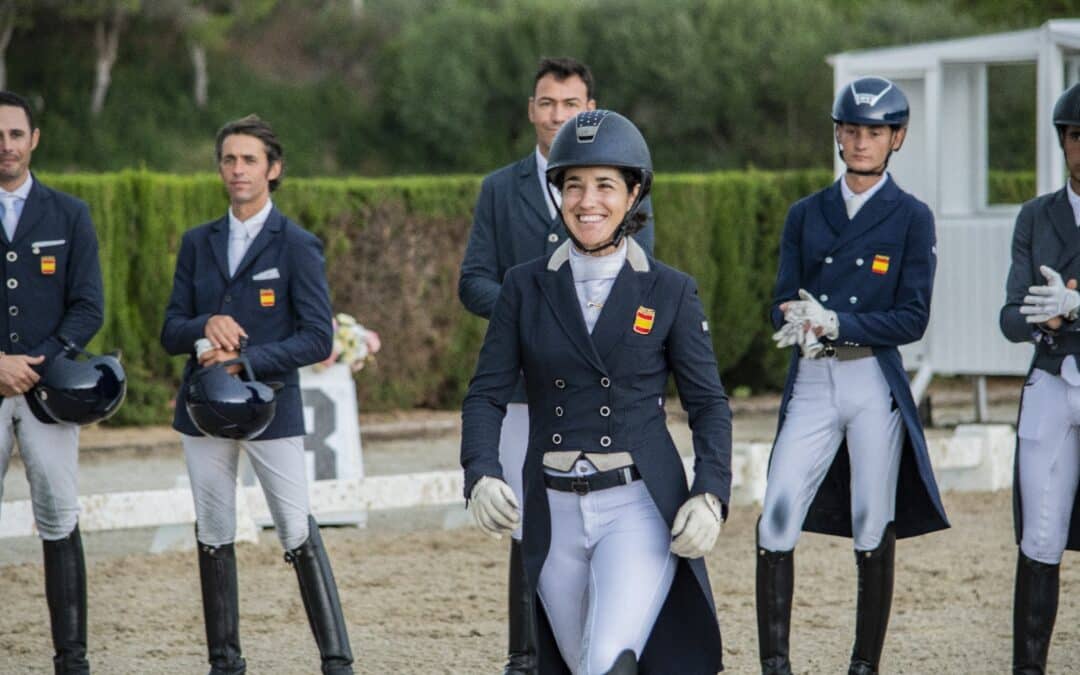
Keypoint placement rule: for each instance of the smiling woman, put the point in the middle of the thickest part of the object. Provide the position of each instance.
(596, 328)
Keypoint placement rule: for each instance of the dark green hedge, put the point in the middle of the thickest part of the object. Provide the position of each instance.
(393, 248)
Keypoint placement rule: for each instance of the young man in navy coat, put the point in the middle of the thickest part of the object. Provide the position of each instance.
(515, 221)
(258, 277)
(856, 273)
(1041, 308)
(52, 288)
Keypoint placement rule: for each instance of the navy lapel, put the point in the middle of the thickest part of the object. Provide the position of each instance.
(557, 285)
(34, 208)
(274, 224)
(620, 308)
(872, 213)
(834, 210)
(219, 245)
(529, 187)
(1064, 222)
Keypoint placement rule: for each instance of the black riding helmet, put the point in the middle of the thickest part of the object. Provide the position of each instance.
(871, 101)
(602, 138)
(1067, 111)
(237, 407)
(78, 391)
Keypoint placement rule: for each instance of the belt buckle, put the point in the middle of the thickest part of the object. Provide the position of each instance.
(580, 486)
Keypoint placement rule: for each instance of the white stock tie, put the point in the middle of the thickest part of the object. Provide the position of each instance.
(853, 204)
(238, 243)
(11, 216)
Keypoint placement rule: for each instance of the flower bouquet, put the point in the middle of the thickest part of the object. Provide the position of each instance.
(354, 345)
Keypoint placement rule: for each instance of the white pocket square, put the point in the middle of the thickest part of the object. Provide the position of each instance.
(266, 275)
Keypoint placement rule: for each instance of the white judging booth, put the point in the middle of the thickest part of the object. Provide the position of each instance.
(945, 163)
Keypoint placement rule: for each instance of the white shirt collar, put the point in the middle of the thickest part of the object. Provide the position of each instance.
(865, 196)
(23, 191)
(1074, 201)
(541, 171)
(254, 224)
(591, 267)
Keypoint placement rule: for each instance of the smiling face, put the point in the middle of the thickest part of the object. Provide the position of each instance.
(595, 200)
(17, 143)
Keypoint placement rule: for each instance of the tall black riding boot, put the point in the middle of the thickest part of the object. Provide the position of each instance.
(626, 664)
(65, 592)
(874, 604)
(221, 608)
(521, 653)
(775, 585)
(1034, 610)
(319, 593)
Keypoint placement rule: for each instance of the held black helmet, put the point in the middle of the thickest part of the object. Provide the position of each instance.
(602, 138)
(1067, 111)
(79, 391)
(872, 101)
(230, 406)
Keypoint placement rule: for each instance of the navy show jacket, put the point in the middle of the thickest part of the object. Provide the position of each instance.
(1045, 234)
(52, 277)
(604, 392)
(279, 296)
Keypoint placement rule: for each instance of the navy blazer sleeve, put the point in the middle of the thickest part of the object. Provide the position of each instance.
(1013, 324)
(492, 386)
(478, 285)
(84, 296)
(789, 273)
(906, 320)
(313, 339)
(690, 357)
(182, 325)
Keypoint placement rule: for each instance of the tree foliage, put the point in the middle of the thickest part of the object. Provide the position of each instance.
(418, 86)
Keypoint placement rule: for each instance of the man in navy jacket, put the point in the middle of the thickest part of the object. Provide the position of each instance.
(515, 221)
(254, 277)
(52, 289)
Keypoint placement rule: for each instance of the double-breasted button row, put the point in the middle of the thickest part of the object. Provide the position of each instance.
(858, 261)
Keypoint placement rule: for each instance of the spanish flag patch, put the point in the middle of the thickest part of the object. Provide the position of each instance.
(643, 320)
(880, 264)
(48, 264)
(266, 297)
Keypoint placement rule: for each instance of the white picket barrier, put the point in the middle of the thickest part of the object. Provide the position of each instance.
(974, 458)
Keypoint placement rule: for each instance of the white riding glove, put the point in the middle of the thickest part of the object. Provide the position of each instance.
(697, 525)
(808, 309)
(1053, 299)
(494, 507)
(794, 334)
